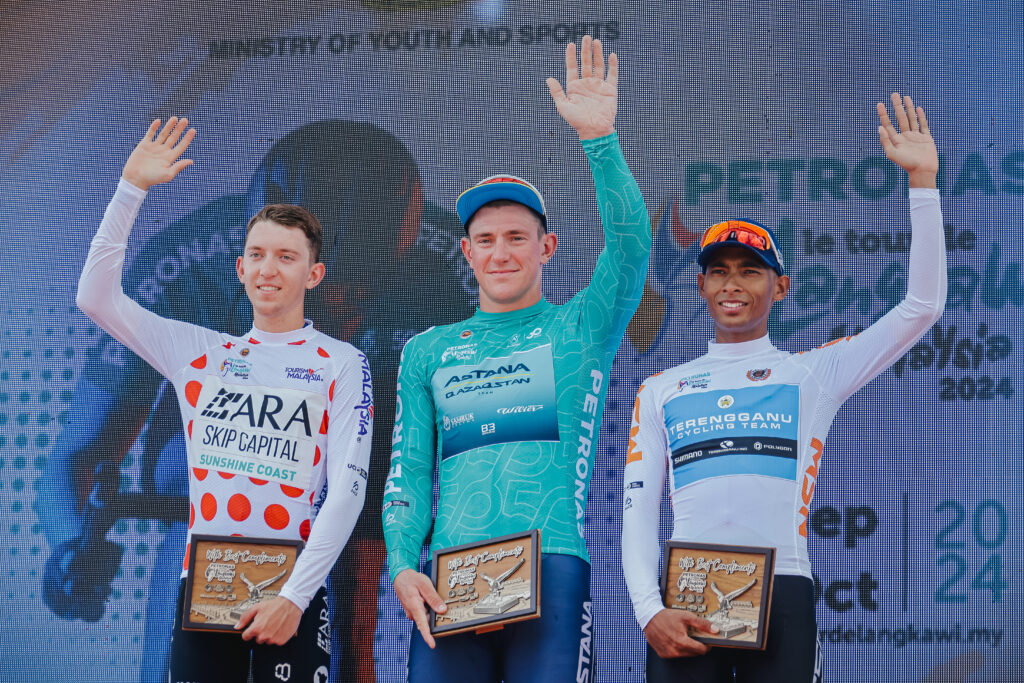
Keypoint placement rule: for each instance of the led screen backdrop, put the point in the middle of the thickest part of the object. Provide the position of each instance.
(376, 114)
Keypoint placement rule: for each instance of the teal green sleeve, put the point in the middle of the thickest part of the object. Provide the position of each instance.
(610, 300)
(408, 496)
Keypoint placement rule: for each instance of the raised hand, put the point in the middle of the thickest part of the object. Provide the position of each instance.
(156, 159)
(912, 147)
(590, 99)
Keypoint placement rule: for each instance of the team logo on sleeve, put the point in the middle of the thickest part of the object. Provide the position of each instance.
(698, 381)
(725, 401)
(759, 375)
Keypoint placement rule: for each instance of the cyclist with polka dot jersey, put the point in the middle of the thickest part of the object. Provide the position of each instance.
(278, 421)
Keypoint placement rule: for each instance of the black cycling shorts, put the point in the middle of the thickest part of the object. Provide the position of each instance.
(212, 657)
(792, 654)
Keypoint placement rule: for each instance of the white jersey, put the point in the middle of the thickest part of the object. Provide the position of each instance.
(277, 425)
(739, 432)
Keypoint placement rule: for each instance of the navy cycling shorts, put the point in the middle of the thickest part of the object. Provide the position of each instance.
(556, 647)
(792, 654)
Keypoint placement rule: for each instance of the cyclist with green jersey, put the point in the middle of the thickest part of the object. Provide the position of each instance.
(507, 405)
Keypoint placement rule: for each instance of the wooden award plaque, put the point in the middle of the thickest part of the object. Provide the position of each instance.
(487, 584)
(229, 574)
(729, 585)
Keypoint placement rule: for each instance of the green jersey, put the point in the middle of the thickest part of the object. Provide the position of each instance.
(507, 406)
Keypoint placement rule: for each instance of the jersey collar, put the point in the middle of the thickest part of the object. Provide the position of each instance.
(740, 349)
(507, 316)
(302, 334)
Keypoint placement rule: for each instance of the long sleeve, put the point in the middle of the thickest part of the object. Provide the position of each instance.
(848, 364)
(618, 280)
(643, 483)
(165, 344)
(349, 436)
(408, 495)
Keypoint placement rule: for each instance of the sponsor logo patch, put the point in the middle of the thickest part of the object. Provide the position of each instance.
(759, 375)
(699, 381)
(236, 367)
(305, 374)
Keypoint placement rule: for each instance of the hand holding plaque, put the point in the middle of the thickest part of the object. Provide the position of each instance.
(729, 586)
(487, 584)
(228, 575)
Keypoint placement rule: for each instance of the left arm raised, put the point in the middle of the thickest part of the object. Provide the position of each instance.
(861, 358)
(589, 104)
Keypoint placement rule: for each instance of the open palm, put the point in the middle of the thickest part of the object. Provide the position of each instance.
(590, 98)
(156, 159)
(912, 148)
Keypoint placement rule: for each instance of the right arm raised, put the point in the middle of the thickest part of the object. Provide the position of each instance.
(160, 342)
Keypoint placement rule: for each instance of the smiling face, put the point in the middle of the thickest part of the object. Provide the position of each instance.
(276, 269)
(506, 247)
(739, 290)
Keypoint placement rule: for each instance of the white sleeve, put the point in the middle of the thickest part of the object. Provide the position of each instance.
(165, 344)
(848, 364)
(349, 436)
(643, 481)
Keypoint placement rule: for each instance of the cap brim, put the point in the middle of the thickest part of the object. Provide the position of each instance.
(707, 252)
(470, 201)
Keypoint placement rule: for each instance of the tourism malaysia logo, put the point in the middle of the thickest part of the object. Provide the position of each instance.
(305, 374)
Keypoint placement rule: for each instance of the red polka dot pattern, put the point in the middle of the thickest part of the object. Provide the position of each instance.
(239, 507)
(226, 475)
(192, 390)
(316, 457)
(199, 363)
(276, 516)
(191, 515)
(184, 563)
(323, 353)
(291, 491)
(258, 482)
(208, 506)
(200, 474)
(304, 530)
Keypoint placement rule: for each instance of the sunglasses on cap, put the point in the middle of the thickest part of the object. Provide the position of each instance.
(749, 234)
